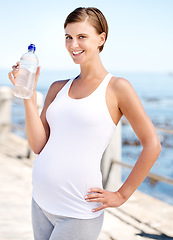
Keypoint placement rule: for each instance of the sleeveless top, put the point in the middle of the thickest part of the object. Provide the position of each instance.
(69, 164)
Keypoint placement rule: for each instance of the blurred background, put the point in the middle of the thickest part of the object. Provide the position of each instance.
(139, 48)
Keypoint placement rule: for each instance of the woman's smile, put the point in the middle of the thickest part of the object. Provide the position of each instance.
(77, 53)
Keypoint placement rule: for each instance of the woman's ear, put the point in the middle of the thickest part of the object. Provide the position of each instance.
(102, 38)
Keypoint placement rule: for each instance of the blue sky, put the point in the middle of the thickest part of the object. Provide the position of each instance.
(140, 33)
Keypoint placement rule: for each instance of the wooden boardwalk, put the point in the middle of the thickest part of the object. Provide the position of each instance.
(142, 217)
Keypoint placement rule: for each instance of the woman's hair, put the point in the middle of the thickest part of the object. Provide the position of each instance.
(93, 15)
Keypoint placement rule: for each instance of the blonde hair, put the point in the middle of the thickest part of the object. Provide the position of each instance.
(93, 15)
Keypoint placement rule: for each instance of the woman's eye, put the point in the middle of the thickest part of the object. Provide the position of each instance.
(68, 37)
(81, 37)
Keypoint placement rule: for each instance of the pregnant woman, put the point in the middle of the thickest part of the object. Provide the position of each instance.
(74, 129)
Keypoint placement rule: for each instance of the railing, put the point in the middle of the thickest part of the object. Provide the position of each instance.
(154, 177)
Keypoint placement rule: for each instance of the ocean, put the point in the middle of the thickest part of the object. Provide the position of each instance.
(156, 93)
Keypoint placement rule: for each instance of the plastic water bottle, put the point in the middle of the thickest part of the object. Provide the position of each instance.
(26, 76)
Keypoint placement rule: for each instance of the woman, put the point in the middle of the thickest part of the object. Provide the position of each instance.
(76, 124)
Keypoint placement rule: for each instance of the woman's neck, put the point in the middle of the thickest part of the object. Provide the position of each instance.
(94, 69)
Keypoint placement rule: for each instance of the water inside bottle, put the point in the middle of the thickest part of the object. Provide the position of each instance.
(24, 84)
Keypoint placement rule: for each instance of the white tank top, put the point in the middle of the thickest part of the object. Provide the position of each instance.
(69, 164)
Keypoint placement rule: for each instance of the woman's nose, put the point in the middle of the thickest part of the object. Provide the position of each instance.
(75, 43)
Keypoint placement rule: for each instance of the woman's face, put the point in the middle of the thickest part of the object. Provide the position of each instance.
(82, 41)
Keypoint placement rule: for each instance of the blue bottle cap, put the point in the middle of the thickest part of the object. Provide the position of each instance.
(32, 47)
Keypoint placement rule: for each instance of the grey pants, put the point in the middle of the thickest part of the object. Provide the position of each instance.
(47, 226)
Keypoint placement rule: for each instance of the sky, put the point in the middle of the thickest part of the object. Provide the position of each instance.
(140, 33)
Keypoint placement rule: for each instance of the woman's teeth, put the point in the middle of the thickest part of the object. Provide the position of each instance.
(76, 53)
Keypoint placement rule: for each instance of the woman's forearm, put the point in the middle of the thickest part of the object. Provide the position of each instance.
(35, 130)
(141, 169)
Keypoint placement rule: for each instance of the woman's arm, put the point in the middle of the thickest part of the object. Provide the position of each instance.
(131, 107)
(133, 110)
(37, 131)
(37, 128)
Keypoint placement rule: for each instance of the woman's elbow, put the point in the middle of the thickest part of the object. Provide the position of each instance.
(156, 147)
(153, 145)
(36, 151)
(159, 148)
(36, 148)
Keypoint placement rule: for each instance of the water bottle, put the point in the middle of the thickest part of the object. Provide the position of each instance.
(26, 76)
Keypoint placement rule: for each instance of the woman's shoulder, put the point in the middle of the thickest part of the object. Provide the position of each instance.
(122, 88)
(120, 84)
(54, 88)
(57, 85)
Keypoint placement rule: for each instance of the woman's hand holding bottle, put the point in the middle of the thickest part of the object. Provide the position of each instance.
(14, 73)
